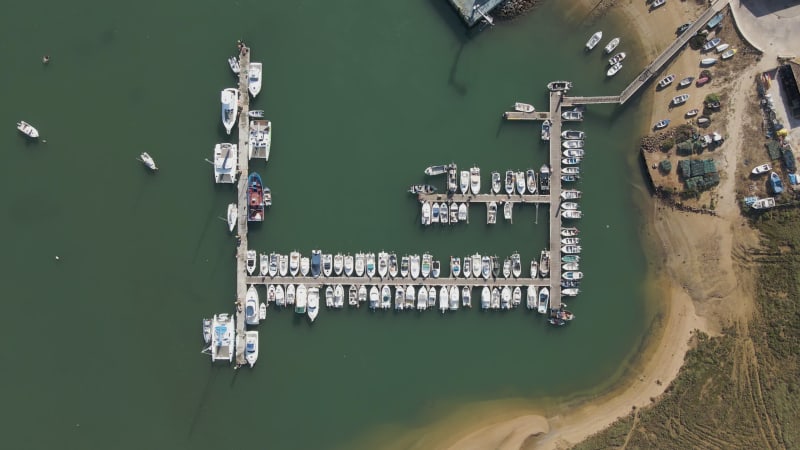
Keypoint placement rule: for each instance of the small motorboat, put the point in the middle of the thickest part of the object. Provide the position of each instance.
(531, 181)
(708, 61)
(251, 306)
(534, 268)
(509, 182)
(617, 58)
(455, 266)
(571, 214)
(764, 203)
(721, 48)
(352, 295)
(763, 168)
(571, 161)
(207, 331)
(234, 63)
(701, 81)
(313, 303)
(775, 183)
(422, 189)
(524, 107)
(435, 213)
(657, 3)
(520, 182)
(544, 300)
(555, 86)
(661, 124)
(571, 170)
(686, 82)
(594, 40)
(254, 79)
(148, 161)
(572, 275)
(666, 81)
(612, 45)
(262, 311)
(486, 298)
(27, 129)
(703, 121)
(466, 297)
(569, 231)
(683, 28)
(613, 70)
(569, 205)
(475, 180)
(692, 112)
(572, 143)
(251, 261)
(251, 347)
(574, 115)
(711, 44)
(233, 214)
(256, 113)
(546, 129)
(263, 264)
(574, 153)
(570, 178)
(573, 134)
(462, 212)
(508, 210)
(570, 194)
(729, 53)
(496, 184)
(426, 214)
(463, 183)
(680, 99)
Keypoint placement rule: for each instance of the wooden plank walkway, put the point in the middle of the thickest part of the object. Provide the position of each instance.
(485, 198)
(516, 115)
(378, 281)
(241, 221)
(572, 101)
(555, 198)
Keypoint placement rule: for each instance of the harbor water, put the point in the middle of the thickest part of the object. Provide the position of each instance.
(102, 345)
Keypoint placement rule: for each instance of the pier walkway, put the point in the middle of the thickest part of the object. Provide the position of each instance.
(310, 281)
(555, 199)
(241, 221)
(485, 198)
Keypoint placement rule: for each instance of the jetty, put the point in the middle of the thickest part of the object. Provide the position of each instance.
(310, 281)
(241, 221)
(485, 198)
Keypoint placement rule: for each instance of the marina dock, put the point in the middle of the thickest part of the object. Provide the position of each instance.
(310, 281)
(555, 199)
(241, 198)
(485, 198)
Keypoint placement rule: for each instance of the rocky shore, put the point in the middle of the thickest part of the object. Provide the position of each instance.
(511, 9)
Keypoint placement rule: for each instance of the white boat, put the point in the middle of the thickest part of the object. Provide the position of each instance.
(496, 185)
(148, 161)
(444, 299)
(437, 170)
(370, 261)
(313, 303)
(721, 48)
(505, 298)
(294, 262)
(230, 107)
(466, 269)
(530, 177)
(573, 134)
(570, 194)
(349, 263)
(426, 213)
(225, 163)
(251, 256)
(207, 331)
(571, 170)
(453, 298)
(362, 294)
(544, 263)
(411, 294)
(692, 112)
(463, 183)
(657, 3)
(571, 214)
(475, 180)
(476, 264)
(612, 45)
(572, 143)
(570, 292)
(374, 297)
(491, 212)
(546, 124)
(573, 115)
(555, 86)
(222, 338)
(263, 264)
(432, 298)
(422, 297)
(327, 264)
(520, 182)
(763, 168)
(516, 265)
(708, 61)
(711, 44)
(233, 214)
(27, 129)
(508, 209)
(486, 267)
(386, 297)
(613, 69)
(436, 269)
(254, 78)
(530, 296)
(572, 275)
(509, 184)
(256, 113)
(523, 107)
(305, 265)
(393, 269)
(618, 58)
(251, 306)
(569, 232)
(571, 249)
(495, 301)
(383, 264)
(352, 296)
(666, 81)
(462, 212)
(301, 299)
(594, 40)
(466, 297)
(434, 213)
(680, 99)
(291, 295)
(534, 268)
(338, 264)
(399, 297)
(729, 53)
(233, 62)
(425, 269)
(544, 300)
(251, 347)
(569, 205)
(486, 298)
(764, 203)
(280, 298)
(570, 240)
(444, 213)
(455, 266)
(570, 266)
(360, 264)
(453, 212)
(516, 296)
(273, 264)
(260, 139)
(404, 265)
(414, 266)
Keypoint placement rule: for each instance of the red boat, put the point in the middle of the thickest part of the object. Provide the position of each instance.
(255, 198)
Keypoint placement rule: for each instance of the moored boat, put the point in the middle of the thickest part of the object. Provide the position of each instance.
(495, 301)
(711, 44)
(569, 231)
(251, 306)
(516, 265)
(313, 303)
(572, 115)
(594, 40)
(27, 129)
(611, 45)
(414, 266)
(571, 214)
(486, 267)
(613, 70)
(573, 134)
(476, 264)
(280, 295)
(546, 124)
(256, 113)
(509, 185)
(404, 264)
(570, 194)
(263, 264)
(436, 170)
(425, 267)
(555, 86)
(775, 182)
(305, 265)
(574, 153)
(148, 161)
(571, 249)
(463, 213)
(466, 268)
(254, 78)
(251, 347)
(316, 263)
(463, 183)
(544, 263)
(369, 259)
(233, 214)
(520, 181)
(255, 198)
(455, 266)
(383, 264)
(530, 296)
(393, 268)
(374, 297)
(386, 297)
(425, 217)
(516, 296)
(530, 177)
(496, 185)
(294, 263)
(436, 269)
(570, 161)
(544, 179)
(250, 261)
(422, 189)
(230, 107)
(338, 264)
(572, 143)
(491, 212)
(618, 58)
(475, 180)
(534, 268)
(544, 300)
(453, 297)
(577, 275)
(505, 298)
(207, 331)
(352, 295)
(523, 107)
(466, 297)
(508, 208)
(486, 297)
(233, 62)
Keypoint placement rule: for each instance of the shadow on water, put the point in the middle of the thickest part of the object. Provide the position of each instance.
(459, 87)
(449, 16)
(203, 397)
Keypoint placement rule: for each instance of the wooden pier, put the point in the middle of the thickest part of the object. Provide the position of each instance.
(555, 199)
(485, 198)
(310, 281)
(241, 221)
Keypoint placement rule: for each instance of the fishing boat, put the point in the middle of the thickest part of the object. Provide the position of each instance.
(764, 203)
(466, 297)
(263, 262)
(544, 300)
(569, 231)
(509, 185)
(763, 168)
(475, 180)
(530, 177)
(453, 298)
(507, 268)
(491, 212)
(251, 306)
(369, 259)
(486, 297)
(386, 297)
(570, 258)
(255, 198)
(233, 214)
(426, 213)
(505, 298)
(27, 129)
(594, 40)
(254, 78)
(256, 113)
(476, 265)
(436, 269)
(708, 61)
(230, 107)
(463, 213)
(414, 266)
(455, 266)
(233, 62)
(614, 69)
(329, 297)
(546, 124)
(495, 302)
(466, 269)
(523, 107)
(721, 48)
(571, 266)
(775, 183)
(404, 263)
(572, 143)
(544, 179)
(666, 81)
(618, 58)
(571, 214)
(729, 53)
(612, 45)
(555, 86)
(207, 331)
(680, 99)
(661, 124)
(374, 297)
(437, 170)
(573, 134)
(516, 265)
(313, 303)
(572, 115)
(383, 264)
(251, 261)
(572, 240)
(570, 194)
(294, 263)
(574, 153)
(148, 161)
(508, 209)
(425, 267)
(421, 189)
(711, 44)
(305, 265)
(571, 170)
(352, 295)
(692, 112)
(463, 183)
(544, 263)
(251, 347)
(572, 275)
(571, 249)
(534, 268)
(316, 263)
(657, 3)
(496, 182)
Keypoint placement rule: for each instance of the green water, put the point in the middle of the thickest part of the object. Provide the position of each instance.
(102, 348)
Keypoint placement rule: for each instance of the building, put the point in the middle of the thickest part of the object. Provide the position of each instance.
(789, 74)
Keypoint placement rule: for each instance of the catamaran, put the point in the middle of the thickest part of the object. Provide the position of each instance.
(222, 338)
(254, 78)
(230, 107)
(225, 162)
(260, 138)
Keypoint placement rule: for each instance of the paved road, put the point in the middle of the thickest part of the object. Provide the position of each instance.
(770, 25)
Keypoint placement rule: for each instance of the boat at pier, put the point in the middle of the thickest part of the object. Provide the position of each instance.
(408, 301)
(316, 263)
(453, 298)
(555, 321)
(305, 265)
(572, 240)
(569, 231)
(329, 297)
(666, 81)
(573, 134)
(273, 264)
(251, 306)
(437, 170)
(256, 113)
(230, 107)
(349, 263)
(516, 265)
(422, 189)
(360, 264)
(414, 266)
(27, 129)
(291, 295)
(520, 181)
(570, 266)
(444, 213)
(476, 265)
(506, 267)
(434, 213)
(571, 249)
(486, 298)
(425, 217)
(453, 212)
(251, 261)
(570, 178)
(505, 298)
(571, 214)
(618, 58)
(508, 210)
(393, 269)
(611, 45)
(463, 184)
(556, 86)
(534, 268)
(386, 297)
(570, 194)
(370, 264)
(613, 70)
(352, 295)
(263, 263)
(516, 296)
(491, 212)
(452, 178)
(327, 264)
(572, 143)
(254, 78)
(544, 179)
(544, 263)
(283, 265)
(399, 297)
(455, 266)
(404, 263)
(574, 153)
(251, 347)
(544, 300)
(466, 269)
(313, 303)
(383, 264)
(496, 184)
(546, 124)
(495, 301)
(509, 182)
(338, 264)
(569, 205)
(570, 258)
(148, 161)
(571, 170)
(425, 268)
(374, 297)
(233, 62)
(255, 198)
(260, 137)
(436, 269)
(475, 180)
(294, 263)
(571, 161)
(462, 212)
(222, 338)
(422, 298)
(594, 40)
(233, 215)
(530, 296)
(572, 275)
(764, 203)
(280, 298)
(466, 297)
(530, 177)
(524, 107)
(207, 331)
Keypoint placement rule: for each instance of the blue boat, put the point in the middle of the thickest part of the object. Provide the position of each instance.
(715, 20)
(255, 198)
(315, 262)
(775, 183)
